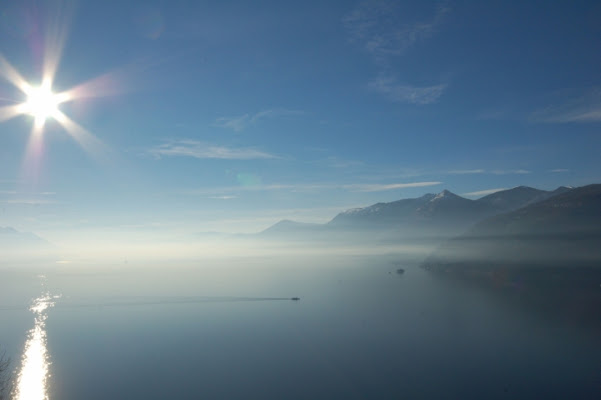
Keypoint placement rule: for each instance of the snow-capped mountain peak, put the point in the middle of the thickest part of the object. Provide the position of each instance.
(444, 194)
(352, 211)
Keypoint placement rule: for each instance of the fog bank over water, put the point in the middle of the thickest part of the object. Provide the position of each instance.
(359, 330)
(224, 248)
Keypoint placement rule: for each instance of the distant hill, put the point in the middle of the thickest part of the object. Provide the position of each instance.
(564, 230)
(287, 226)
(298, 231)
(22, 244)
(10, 237)
(441, 215)
(518, 197)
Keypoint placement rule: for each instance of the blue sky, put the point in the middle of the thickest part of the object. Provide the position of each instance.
(229, 116)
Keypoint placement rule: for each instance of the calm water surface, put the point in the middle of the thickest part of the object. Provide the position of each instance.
(225, 330)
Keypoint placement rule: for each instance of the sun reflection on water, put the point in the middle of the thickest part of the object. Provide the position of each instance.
(33, 376)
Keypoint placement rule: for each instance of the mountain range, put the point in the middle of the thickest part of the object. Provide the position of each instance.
(441, 215)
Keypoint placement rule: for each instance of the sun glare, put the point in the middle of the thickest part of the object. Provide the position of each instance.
(41, 103)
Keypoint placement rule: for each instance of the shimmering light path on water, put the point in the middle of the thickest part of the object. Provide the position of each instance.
(33, 376)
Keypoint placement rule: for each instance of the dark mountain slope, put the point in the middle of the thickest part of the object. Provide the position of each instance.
(518, 197)
(381, 213)
(546, 256)
(562, 231)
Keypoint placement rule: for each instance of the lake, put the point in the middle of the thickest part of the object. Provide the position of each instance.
(226, 328)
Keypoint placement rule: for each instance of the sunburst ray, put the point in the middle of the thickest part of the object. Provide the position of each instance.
(10, 112)
(11, 74)
(90, 143)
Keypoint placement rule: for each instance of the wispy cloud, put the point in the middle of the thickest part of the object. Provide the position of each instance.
(28, 201)
(379, 28)
(219, 192)
(583, 114)
(305, 187)
(26, 197)
(224, 197)
(197, 149)
(579, 108)
(466, 171)
(395, 91)
(383, 187)
(484, 171)
(235, 123)
(483, 192)
(559, 170)
(511, 171)
(241, 122)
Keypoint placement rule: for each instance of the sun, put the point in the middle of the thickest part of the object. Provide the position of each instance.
(42, 103)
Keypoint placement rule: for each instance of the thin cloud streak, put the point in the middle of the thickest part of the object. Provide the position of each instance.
(483, 192)
(389, 87)
(28, 193)
(585, 114)
(466, 171)
(580, 108)
(201, 150)
(220, 191)
(234, 123)
(354, 187)
(385, 187)
(511, 171)
(241, 122)
(29, 202)
(27, 198)
(483, 171)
